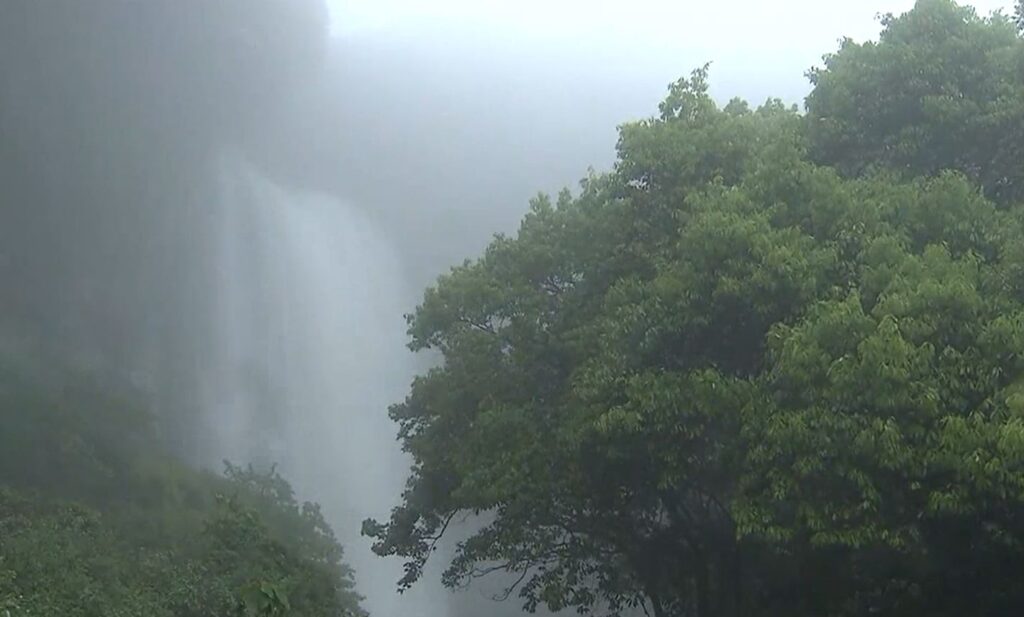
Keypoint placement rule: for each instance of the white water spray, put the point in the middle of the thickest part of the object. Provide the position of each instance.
(310, 353)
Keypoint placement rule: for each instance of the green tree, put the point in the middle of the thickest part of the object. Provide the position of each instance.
(942, 89)
(62, 559)
(95, 520)
(726, 380)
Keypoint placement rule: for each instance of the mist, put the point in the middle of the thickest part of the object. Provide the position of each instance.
(228, 208)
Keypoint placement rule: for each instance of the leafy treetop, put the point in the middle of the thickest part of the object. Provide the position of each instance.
(749, 371)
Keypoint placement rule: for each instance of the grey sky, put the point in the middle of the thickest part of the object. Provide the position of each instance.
(474, 105)
(753, 43)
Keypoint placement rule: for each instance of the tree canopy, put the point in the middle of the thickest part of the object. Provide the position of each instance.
(770, 364)
(941, 89)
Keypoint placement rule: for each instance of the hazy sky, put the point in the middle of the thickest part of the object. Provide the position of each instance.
(472, 106)
(746, 25)
(752, 43)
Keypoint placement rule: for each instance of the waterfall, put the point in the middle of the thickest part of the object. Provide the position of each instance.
(309, 352)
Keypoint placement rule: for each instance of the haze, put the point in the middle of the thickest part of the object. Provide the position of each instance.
(216, 216)
(768, 45)
(528, 94)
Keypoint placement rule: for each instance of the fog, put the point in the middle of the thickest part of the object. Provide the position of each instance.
(230, 205)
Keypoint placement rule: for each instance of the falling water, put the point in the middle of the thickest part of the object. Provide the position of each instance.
(309, 353)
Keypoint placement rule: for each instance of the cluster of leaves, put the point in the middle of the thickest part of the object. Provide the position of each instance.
(772, 364)
(942, 89)
(94, 522)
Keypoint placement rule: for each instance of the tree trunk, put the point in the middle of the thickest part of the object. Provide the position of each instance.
(703, 591)
(733, 589)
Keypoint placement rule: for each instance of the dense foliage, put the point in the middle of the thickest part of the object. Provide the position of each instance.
(941, 89)
(770, 365)
(95, 523)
